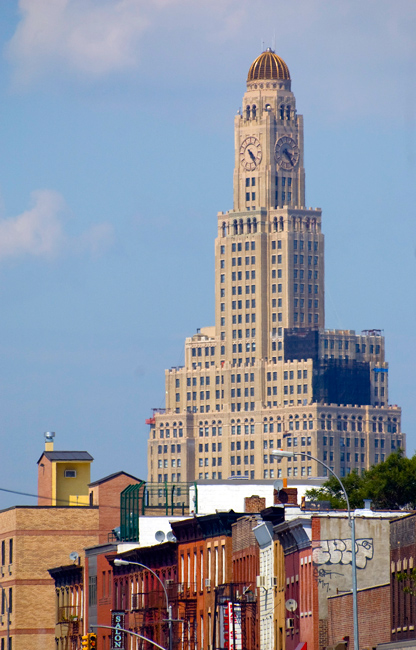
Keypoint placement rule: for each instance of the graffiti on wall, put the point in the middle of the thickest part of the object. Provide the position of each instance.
(338, 551)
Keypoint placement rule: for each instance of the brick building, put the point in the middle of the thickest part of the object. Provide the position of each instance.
(37, 538)
(373, 617)
(402, 561)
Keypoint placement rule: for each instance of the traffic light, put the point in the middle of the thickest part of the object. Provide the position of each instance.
(89, 641)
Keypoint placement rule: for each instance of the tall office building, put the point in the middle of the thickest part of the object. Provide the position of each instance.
(269, 374)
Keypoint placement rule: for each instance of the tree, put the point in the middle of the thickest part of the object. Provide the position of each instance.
(391, 485)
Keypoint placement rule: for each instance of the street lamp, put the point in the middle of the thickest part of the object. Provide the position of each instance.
(280, 453)
(120, 562)
(3, 599)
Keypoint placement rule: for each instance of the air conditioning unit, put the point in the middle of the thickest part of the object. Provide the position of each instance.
(10, 569)
(208, 583)
(180, 587)
(275, 581)
(261, 582)
(290, 623)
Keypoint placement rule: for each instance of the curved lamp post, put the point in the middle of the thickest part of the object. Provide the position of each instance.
(121, 562)
(280, 453)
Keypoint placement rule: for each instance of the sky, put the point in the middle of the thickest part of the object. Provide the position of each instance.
(116, 153)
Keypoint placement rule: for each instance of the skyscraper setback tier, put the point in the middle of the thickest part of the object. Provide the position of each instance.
(268, 374)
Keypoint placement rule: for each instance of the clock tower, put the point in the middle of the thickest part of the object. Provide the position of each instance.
(268, 374)
(268, 140)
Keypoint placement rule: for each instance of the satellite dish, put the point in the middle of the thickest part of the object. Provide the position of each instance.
(170, 537)
(277, 485)
(74, 556)
(291, 605)
(160, 536)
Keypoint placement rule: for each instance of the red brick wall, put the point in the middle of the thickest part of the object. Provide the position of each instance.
(254, 503)
(373, 617)
(109, 503)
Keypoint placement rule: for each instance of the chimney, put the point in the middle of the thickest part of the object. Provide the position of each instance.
(286, 496)
(367, 504)
(49, 436)
(254, 503)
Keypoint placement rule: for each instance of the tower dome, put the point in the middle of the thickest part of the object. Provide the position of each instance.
(268, 66)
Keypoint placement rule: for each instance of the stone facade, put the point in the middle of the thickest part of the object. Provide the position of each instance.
(268, 374)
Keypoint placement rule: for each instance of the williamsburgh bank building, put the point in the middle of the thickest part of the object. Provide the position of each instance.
(268, 374)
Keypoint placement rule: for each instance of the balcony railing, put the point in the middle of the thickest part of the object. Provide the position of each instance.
(70, 614)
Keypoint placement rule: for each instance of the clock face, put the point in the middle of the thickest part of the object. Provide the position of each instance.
(286, 153)
(250, 153)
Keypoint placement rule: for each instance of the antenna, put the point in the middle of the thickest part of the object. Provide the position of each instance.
(274, 41)
(170, 537)
(73, 556)
(278, 485)
(160, 536)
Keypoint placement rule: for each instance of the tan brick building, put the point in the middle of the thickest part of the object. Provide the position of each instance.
(268, 374)
(41, 537)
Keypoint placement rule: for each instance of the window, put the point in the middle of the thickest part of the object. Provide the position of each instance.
(92, 590)
(70, 473)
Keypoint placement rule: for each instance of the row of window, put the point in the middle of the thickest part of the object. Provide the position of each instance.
(238, 275)
(237, 445)
(301, 288)
(359, 348)
(238, 392)
(246, 407)
(163, 449)
(238, 318)
(300, 317)
(300, 273)
(237, 261)
(165, 433)
(304, 471)
(238, 290)
(215, 446)
(238, 304)
(175, 462)
(164, 478)
(197, 352)
(204, 462)
(299, 259)
(299, 245)
(358, 442)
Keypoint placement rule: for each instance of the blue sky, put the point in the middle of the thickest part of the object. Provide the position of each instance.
(116, 153)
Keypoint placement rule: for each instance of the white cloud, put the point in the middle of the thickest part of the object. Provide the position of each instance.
(39, 231)
(94, 37)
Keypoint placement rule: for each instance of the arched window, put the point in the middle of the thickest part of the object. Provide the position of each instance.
(281, 224)
(249, 225)
(248, 112)
(275, 224)
(307, 223)
(224, 229)
(254, 224)
(253, 110)
(235, 227)
(282, 112)
(241, 226)
(288, 112)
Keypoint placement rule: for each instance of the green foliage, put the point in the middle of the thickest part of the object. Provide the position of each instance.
(410, 578)
(390, 485)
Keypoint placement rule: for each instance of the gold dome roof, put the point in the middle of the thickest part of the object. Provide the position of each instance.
(268, 66)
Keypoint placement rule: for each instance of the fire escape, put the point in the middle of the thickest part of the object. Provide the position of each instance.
(70, 622)
(235, 617)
